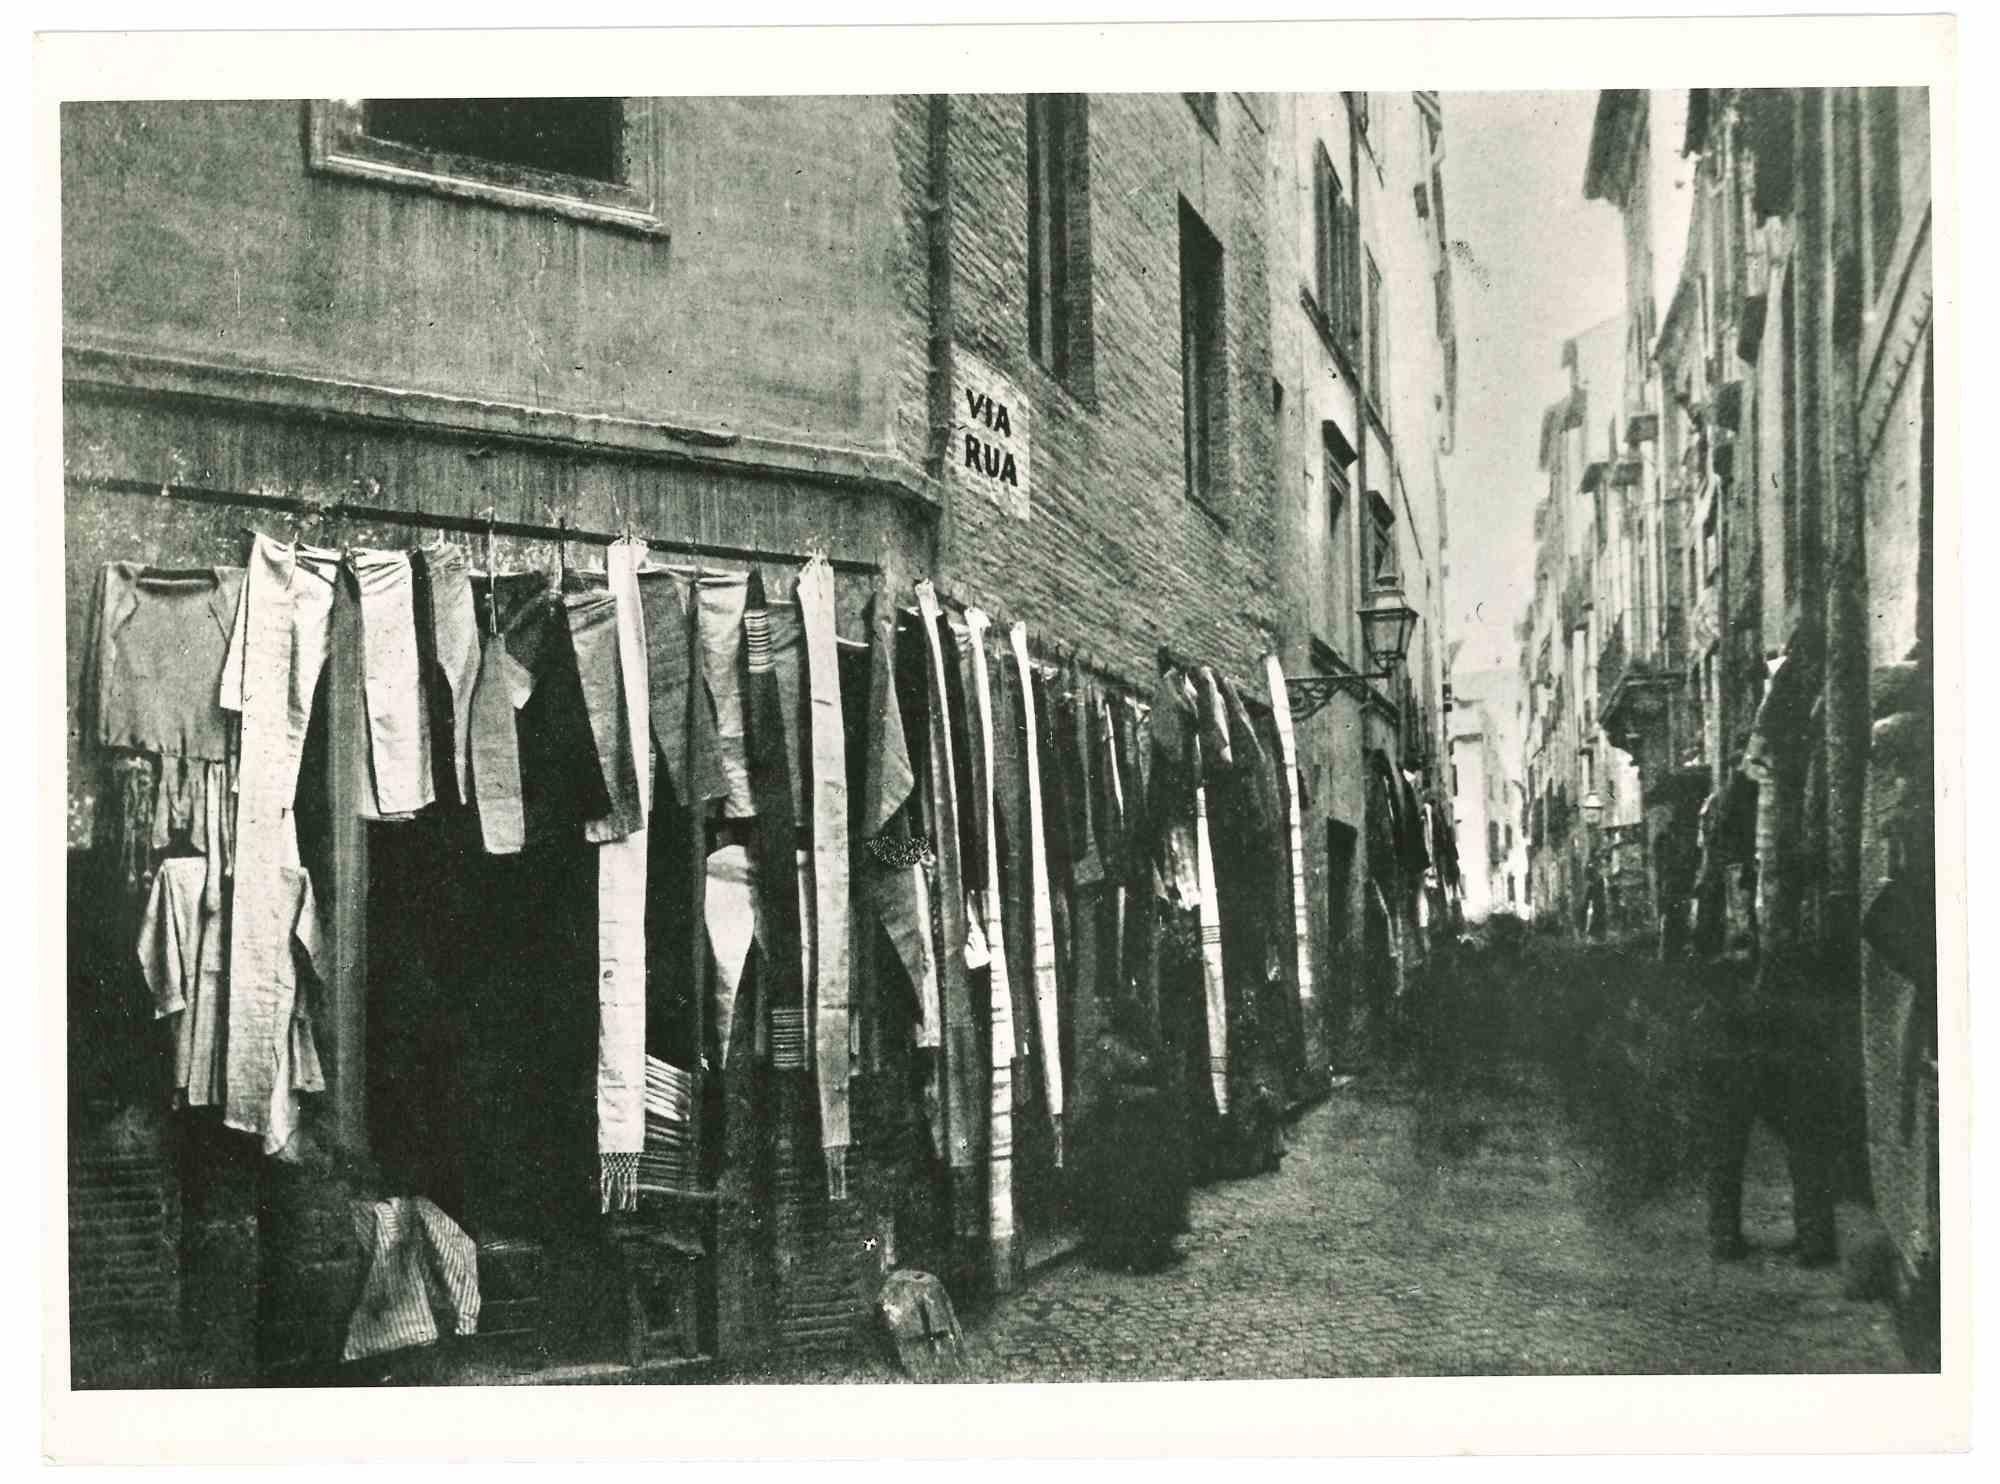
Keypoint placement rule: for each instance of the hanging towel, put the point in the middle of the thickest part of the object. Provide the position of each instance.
(1281, 712)
(829, 870)
(668, 1162)
(1048, 1007)
(1000, 1129)
(961, 1072)
(621, 921)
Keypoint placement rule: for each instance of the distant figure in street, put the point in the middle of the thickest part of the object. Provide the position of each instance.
(1594, 906)
(1133, 1177)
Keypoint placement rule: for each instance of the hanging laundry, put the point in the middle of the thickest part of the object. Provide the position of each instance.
(721, 603)
(731, 899)
(180, 956)
(1174, 753)
(594, 632)
(830, 870)
(279, 646)
(621, 889)
(399, 740)
(1211, 956)
(1080, 758)
(1281, 711)
(454, 641)
(1047, 1006)
(1000, 1125)
(963, 1132)
(778, 876)
(158, 644)
(677, 692)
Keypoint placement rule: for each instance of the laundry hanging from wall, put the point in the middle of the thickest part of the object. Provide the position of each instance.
(1014, 840)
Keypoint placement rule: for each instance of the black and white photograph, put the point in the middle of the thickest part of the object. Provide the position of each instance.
(853, 736)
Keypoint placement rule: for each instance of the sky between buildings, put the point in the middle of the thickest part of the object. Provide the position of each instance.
(1534, 263)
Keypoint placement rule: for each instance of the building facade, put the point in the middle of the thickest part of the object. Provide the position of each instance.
(1789, 414)
(1093, 364)
(1364, 395)
(1488, 791)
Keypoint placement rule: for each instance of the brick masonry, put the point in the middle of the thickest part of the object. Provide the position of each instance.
(1115, 558)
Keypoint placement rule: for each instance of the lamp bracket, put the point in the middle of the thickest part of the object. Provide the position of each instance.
(1310, 694)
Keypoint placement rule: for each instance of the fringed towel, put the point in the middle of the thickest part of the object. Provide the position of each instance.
(829, 872)
(621, 920)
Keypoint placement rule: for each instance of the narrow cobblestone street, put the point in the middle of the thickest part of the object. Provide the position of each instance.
(1448, 1234)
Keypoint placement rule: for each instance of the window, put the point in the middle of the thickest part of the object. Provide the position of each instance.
(1204, 108)
(1885, 180)
(1333, 252)
(1202, 360)
(1510, 839)
(1492, 839)
(594, 159)
(1377, 334)
(1383, 569)
(1059, 296)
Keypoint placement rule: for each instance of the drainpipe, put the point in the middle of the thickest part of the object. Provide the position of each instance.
(943, 324)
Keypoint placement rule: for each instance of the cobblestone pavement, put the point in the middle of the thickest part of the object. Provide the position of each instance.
(1457, 1234)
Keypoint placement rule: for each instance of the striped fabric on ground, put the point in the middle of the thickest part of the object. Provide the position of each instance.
(418, 1260)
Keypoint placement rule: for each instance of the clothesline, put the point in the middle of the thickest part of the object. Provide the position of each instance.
(471, 524)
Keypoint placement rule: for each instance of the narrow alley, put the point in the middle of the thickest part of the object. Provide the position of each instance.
(1480, 1246)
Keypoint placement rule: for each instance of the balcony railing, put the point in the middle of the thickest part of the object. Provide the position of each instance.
(1644, 653)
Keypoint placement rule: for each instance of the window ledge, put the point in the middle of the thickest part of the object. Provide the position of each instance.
(338, 145)
(1215, 514)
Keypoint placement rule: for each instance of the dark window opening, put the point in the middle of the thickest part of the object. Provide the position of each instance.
(1885, 179)
(1202, 358)
(1333, 251)
(1058, 236)
(562, 136)
(1383, 570)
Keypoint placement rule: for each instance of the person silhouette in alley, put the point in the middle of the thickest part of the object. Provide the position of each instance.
(1766, 1034)
(1133, 1180)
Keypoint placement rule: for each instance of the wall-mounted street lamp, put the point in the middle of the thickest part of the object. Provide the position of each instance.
(1386, 626)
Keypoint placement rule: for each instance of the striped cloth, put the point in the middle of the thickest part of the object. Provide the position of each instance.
(667, 1163)
(418, 1260)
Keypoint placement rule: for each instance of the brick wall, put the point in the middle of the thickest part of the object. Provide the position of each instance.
(1115, 558)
